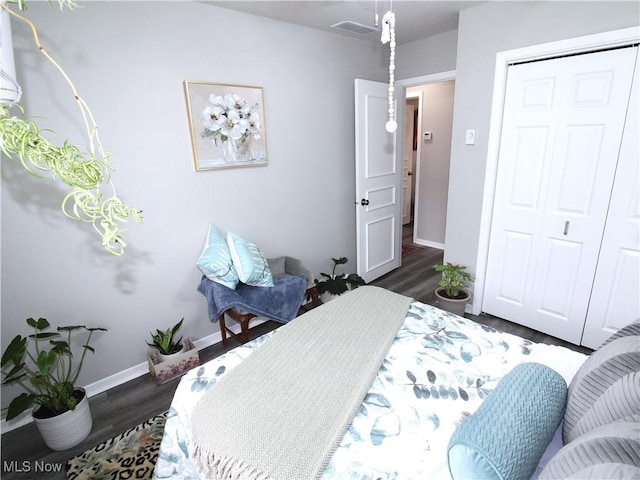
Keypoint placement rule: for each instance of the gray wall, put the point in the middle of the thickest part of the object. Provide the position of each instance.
(433, 54)
(129, 60)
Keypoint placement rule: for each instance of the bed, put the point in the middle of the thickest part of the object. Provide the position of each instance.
(436, 372)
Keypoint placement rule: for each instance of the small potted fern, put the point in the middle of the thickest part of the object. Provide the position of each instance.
(166, 343)
(171, 356)
(451, 294)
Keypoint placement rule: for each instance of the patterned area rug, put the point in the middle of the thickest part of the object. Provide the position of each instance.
(409, 249)
(131, 454)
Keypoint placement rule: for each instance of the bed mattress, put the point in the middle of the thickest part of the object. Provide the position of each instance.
(438, 370)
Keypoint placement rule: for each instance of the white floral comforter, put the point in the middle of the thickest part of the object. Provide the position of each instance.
(437, 371)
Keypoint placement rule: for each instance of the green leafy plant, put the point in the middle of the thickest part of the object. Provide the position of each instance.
(338, 283)
(86, 172)
(165, 342)
(454, 279)
(47, 372)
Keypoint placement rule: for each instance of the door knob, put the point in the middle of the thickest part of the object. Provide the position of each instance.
(364, 202)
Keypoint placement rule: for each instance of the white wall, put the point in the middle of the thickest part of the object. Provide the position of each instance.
(433, 181)
(483, 31)
(129, 60)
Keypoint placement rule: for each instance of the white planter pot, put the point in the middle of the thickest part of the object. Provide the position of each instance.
(451, 305)
(166, 358)
(327, 297)
(67, 429)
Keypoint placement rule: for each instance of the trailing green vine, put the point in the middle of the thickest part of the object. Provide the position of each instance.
(86, 172)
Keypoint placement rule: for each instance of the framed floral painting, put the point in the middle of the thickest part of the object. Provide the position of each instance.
(227, 125)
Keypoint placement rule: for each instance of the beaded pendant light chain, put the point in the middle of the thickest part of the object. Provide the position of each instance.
(389, 35)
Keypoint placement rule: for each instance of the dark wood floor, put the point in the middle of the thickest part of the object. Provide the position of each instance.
(130, 404)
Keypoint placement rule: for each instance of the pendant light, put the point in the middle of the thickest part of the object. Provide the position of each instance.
(389, 36)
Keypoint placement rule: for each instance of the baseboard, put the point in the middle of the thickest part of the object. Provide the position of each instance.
(429, 243)
(122, 377)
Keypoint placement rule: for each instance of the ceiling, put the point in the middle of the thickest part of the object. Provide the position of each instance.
(415, 19)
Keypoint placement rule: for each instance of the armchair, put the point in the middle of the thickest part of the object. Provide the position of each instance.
(293, 291)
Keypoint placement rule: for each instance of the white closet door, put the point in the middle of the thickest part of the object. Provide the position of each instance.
(615, 301)
(562, 127)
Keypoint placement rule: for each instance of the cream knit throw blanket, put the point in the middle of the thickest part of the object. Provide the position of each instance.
(281, 413)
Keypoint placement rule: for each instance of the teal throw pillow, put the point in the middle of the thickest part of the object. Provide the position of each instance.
(215, 260)
(249, 262)
(506, 437)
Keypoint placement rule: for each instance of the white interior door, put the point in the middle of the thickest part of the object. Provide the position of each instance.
(407, 163)
(378, 183)
(562, 127)
(615, 300)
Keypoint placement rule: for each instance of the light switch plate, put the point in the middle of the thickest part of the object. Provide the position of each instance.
(470, 136)
(427, 136)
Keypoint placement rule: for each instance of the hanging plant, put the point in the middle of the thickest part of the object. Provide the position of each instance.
(87, 172)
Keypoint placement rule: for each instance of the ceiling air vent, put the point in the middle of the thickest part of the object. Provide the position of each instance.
(354, 27)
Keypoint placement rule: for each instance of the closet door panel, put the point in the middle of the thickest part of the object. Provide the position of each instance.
(615, 298)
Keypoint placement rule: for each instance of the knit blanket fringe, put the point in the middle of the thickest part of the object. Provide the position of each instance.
(224, 466)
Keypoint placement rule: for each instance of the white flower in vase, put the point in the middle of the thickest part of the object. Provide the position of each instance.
(231, 123)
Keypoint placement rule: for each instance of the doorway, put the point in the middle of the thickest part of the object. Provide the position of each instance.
(411, 109)
(427, 149)
(379, 175)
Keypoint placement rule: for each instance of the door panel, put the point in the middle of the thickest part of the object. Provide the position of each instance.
(561, 262)
(562, 127)
(615, 301)
(526, 176)
(516, 254)
(380, 253)
(378, 184)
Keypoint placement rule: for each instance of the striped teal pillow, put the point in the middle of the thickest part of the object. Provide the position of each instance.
(215, 260)
(249, 262)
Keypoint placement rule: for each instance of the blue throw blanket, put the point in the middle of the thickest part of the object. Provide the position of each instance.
(280, 302)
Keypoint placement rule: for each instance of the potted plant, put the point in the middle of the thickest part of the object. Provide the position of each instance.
(171, 356)
(166, 343)
(48, 373)
(451, 294)
(338, 283)
(86, 170)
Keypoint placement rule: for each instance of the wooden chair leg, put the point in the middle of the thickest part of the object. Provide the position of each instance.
(311, 299)
(223, 330)
(315, 298)
(244, 329)
(243, 319)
